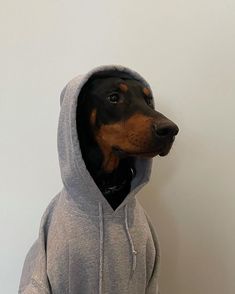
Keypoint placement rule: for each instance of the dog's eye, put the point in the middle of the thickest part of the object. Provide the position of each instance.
(113, 98)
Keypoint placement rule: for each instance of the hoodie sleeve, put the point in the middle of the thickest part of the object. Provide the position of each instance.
(34, 279)
(153, 286)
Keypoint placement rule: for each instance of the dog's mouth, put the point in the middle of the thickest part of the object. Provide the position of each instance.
(162, 151)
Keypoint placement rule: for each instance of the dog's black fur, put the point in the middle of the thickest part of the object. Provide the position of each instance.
(104, 102)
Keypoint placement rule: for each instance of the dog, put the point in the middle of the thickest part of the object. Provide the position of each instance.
(120, 122)
(94, 236)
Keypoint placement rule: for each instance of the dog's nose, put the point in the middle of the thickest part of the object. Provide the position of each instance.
(169, 129)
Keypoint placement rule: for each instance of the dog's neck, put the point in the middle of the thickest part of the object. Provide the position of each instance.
(118, 174)
(115, 184)
(117, 180)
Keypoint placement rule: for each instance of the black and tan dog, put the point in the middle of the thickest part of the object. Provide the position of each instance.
(116, 122)
(84, 244)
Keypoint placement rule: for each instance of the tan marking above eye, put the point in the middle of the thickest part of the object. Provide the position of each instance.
(146, 91)
(93, 117)
(123, 87)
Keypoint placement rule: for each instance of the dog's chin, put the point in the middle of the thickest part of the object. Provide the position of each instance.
(164, 153)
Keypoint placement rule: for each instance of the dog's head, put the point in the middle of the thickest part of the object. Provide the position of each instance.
(123, 119)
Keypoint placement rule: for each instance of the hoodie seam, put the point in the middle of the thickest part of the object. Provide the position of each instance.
(88, 216)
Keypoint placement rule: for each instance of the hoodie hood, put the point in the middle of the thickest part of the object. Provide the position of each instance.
(74, 173)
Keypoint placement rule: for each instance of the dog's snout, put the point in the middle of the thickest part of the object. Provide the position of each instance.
(165, 130)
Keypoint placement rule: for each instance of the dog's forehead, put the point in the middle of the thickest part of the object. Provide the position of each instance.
(117, 82)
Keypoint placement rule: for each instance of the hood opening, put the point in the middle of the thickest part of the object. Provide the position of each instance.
(76, 178)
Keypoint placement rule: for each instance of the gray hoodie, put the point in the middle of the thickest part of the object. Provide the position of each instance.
(84, 246)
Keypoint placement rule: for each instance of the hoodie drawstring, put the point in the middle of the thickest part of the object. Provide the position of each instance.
(134, 252)
(101, 224)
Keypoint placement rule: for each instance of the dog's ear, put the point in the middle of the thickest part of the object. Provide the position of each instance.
(81, 101)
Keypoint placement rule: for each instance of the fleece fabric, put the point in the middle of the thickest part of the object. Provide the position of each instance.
(84, 246)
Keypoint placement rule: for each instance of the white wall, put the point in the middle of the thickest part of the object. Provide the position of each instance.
(186, 50)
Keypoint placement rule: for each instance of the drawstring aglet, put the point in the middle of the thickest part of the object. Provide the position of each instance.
(134, 253)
